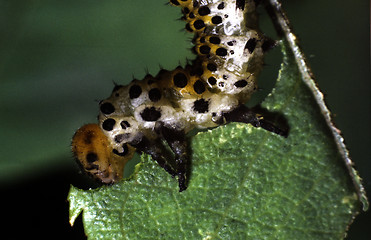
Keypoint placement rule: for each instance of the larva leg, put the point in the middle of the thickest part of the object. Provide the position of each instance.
(178, 143)
(157, 151)
(246, 115)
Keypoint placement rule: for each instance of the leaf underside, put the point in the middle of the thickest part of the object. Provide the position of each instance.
(245, 183)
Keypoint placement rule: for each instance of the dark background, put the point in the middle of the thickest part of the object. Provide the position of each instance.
(58, 58)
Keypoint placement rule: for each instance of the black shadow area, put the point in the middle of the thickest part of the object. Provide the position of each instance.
(37, 207)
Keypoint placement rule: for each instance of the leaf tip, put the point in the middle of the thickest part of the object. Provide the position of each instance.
(75, 204)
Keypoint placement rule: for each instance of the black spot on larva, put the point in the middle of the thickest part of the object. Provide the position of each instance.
(150, 114)
(191, 15)
(232, 52)
(214, 40)
(125, 124)
(216, 19)
(180, 80)
(202, 39)
(221, 84)
(199, 24)
(211, 67)
(201, 106)
(204, 49)
(135, 91)
(212, 80)
(107, 108)
(221, 52)
(195, 4)
(240, 4)
(225, 77)
(154, 94)
(88, 138)
(241, 83)
(91, 157)
(175, 2)
(186, 10)
(108, 124)
(250, 45)
(199, 87)
(124, 153)
(221, 6)
(230, 43)
(121, 137)
(202, 11)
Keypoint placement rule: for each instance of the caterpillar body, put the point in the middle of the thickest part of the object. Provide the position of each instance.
(208, 92)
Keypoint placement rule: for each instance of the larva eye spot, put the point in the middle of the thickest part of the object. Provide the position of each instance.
(96, 157)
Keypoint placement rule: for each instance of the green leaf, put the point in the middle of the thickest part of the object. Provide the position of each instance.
(245, 183)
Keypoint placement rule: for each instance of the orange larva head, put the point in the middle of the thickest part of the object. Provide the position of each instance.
(94, 154)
